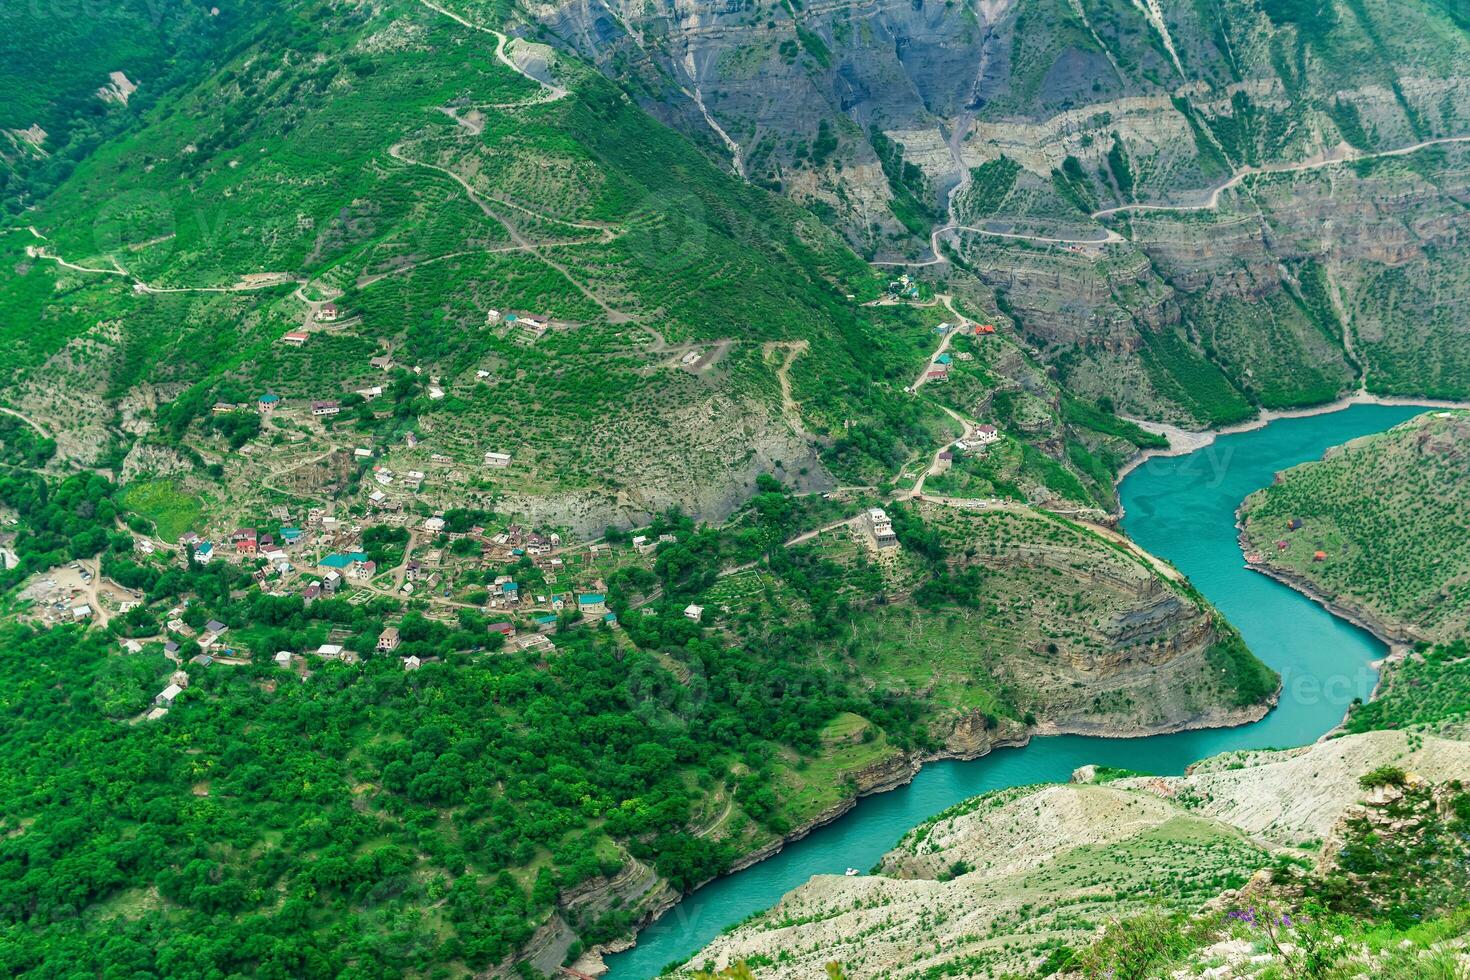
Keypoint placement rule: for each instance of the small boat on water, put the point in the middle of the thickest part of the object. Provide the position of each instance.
(853, 872)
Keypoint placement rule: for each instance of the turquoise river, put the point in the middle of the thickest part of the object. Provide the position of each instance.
(1182, 508)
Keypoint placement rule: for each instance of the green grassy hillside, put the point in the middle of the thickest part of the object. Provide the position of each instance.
(388, 160)
(1382, 526)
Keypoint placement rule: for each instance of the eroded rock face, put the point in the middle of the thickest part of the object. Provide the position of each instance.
(1279, 255)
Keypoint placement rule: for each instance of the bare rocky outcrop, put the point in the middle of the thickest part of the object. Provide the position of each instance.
(994, 882)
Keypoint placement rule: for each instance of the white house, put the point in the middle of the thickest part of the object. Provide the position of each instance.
(166, 697)
(694, 612)
(497, 460)
(881, 527)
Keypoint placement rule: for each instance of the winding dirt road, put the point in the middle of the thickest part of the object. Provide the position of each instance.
(1333, 158)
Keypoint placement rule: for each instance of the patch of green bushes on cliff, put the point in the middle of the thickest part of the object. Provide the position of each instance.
(1429, 687)
(1248, 680)
(1184, 376)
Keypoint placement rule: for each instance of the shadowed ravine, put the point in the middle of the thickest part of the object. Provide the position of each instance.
(1182, 508)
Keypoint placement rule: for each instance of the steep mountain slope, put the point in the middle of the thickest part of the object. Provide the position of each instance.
(71, 75)
(392, 160)
(1377, 526)
(1154, 191)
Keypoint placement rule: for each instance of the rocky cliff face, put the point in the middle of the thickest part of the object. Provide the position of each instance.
(1064, 126)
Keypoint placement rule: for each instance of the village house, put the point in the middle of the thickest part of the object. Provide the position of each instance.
(942, 462)
(362, 452)
(328, 313)
(294, 339)
(591, 604)
(642, 545)
(388, 640)
(382, 362)
(283, 658)
(363, 571)
(497, 460)
(341, 561)
(332, 651)
(267, 403)
(216, 627)
(245, 541)
(504, 629)
(331, 582)
(370, 392)
(535, 643)
(880, 526)
(204, 552)
(545, 623)
(168, 695)
(224, 408)
(694, 612)
(984, 435)
(411, 663)
(325, 408)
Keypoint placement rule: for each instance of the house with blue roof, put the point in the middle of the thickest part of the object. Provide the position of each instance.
(342, 560)
(267, 403)
(592, 603)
